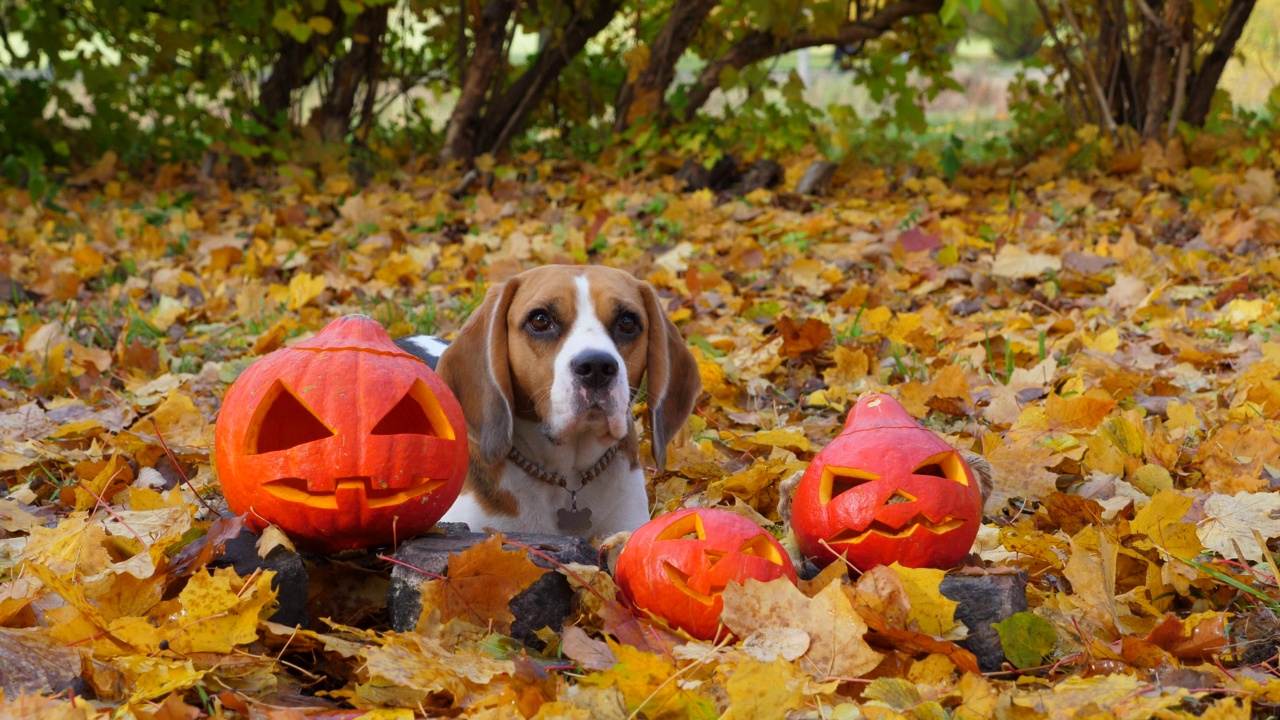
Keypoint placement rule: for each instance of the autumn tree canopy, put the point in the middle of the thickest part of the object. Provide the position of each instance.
(248, 81)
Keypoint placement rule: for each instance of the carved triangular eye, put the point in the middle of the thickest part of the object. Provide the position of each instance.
(417, 413)
(281, 422)
(946, 465)
(759, 546)
(688, 527)
(837, 480)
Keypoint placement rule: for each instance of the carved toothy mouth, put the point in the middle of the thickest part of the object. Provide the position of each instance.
(917, 522)
(350, 492)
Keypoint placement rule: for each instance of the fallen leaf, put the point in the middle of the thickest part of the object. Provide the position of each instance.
(1230, 521)
(480, 584)
(835, 631)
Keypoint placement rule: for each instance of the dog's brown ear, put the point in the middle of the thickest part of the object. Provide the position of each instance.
(476, 369)
(673, 379)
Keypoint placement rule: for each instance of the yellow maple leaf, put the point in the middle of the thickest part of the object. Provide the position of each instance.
(219, 612)
(764, 689)
(179, 420)
(114, 475)
(480, 584)
(1161, 521)
(1078, 412)
(303, 288)
(931, 612)
(646, 681)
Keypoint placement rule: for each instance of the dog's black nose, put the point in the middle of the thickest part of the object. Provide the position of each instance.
(595, 369)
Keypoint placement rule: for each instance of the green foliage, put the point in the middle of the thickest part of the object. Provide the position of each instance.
(1015, 29)
(1026, 639)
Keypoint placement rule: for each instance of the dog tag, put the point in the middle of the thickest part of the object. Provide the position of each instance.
(574, 522)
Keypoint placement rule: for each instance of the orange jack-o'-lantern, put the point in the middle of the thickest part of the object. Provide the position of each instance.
(676, 566)
(343, 440)
(887, 489)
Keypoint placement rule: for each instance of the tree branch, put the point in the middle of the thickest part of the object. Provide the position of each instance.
(759, 44)
(645, 92)
(1206, 80)
(507, 112)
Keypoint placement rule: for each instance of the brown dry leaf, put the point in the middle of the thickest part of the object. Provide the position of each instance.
(835, 631)
(480, 584)
(31, 661)
(1019, 470)
(1201, 636)
(589, 653)
(806, 337)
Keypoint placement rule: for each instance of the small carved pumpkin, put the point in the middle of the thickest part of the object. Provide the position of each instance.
(343, 440)
(676, 566)
(887, 489)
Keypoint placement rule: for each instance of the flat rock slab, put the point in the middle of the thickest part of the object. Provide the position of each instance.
(545, 603)
(290, 581)
(986, 599)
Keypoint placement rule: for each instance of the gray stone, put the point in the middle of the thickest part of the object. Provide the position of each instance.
(986, 599)
(763, 173)
(545, 603)
(721, 176)
(290, 581)
(817, 178)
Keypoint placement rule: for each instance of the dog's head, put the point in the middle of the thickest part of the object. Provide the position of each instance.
(567, 347)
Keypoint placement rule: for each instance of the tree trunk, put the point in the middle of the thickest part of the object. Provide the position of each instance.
(290, 72)
(759, 45)
(1168, 34)
(1205, 81)
(643, 95)
(361, 62)
(490, 37)
(505, 114)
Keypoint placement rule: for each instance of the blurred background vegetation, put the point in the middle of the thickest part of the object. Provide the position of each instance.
(227, 86)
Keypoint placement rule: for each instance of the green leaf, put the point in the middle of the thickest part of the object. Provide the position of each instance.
(995, 8)
(950, 8)
(950, 162)
(1026, 639)
(321, 24)
(284, 21)
(728, 77)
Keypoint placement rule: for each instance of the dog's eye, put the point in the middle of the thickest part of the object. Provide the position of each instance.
(539, 321)
(627, 324)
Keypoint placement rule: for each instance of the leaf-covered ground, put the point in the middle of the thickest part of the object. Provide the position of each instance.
(1109, 341)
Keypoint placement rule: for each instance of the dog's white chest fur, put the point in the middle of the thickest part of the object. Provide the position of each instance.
(614, 500)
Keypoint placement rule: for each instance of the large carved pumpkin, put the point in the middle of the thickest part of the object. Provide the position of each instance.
(343, 440)
(887, 489)
(676, 566)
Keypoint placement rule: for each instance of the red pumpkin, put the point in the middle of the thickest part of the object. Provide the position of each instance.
(676, 566)
(887, 489)
(343, 440)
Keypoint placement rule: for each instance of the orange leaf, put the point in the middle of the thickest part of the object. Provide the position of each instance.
(481, 582)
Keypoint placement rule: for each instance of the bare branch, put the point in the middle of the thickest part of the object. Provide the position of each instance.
(761, 44)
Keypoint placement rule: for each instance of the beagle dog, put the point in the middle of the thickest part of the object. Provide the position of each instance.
(546, 371)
